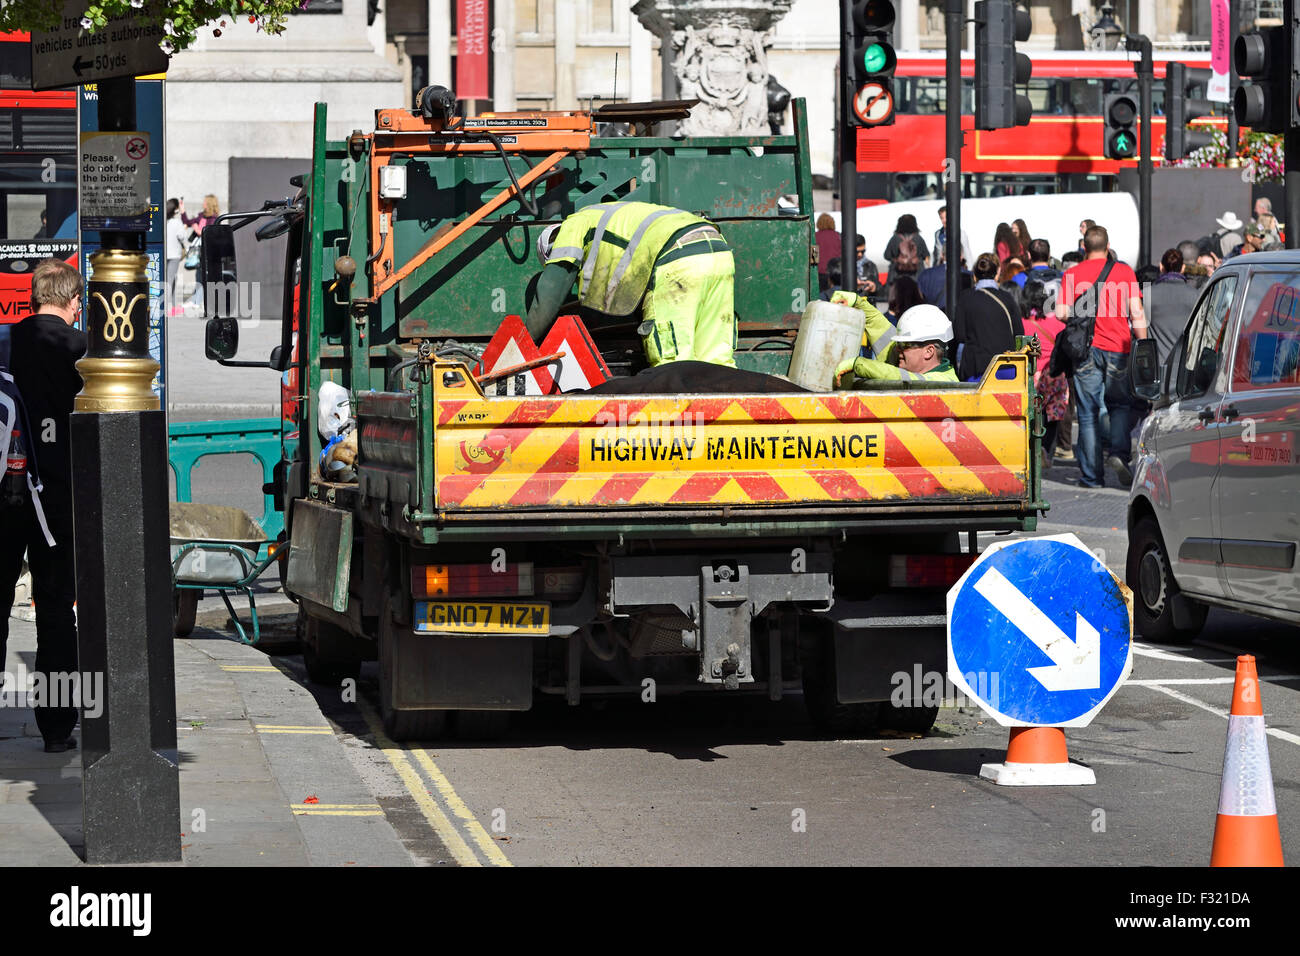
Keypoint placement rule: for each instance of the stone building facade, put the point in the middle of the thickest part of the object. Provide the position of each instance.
(248, 95)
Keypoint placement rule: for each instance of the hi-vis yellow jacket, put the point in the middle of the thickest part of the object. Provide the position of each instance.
(878, 333)
(616, 245)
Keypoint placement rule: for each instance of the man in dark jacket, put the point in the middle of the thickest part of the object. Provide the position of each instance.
(1170, 303)
(44, 350)
(987, 321)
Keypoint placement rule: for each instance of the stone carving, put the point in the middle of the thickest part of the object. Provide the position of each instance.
(720, 58)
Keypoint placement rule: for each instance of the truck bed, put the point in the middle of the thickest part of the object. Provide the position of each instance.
(960, 449)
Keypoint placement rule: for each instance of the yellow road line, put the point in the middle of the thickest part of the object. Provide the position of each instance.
(253, 668)
(414, 784)
(335, 806)
(293, 730)
(486, 844)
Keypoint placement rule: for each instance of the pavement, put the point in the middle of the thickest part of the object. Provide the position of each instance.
(264, 778)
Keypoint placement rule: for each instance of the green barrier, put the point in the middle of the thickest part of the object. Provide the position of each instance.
(187, 442)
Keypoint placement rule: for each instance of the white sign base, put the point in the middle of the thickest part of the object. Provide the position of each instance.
(1038, 774)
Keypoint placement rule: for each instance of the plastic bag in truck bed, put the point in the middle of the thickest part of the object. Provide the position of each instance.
(695, 378)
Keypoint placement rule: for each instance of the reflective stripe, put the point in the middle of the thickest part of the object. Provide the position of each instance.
(632, 244)
(906, 376)
(1247, 788)
(572, 252)
(881, 345)
(589, 267)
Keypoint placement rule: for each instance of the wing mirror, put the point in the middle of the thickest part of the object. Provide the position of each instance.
(221, 338)
(1144, 369)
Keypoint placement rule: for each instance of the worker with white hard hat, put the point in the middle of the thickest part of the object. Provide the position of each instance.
(917, 350)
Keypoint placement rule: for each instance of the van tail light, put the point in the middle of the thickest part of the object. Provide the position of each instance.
(471, 580)
(939, 571)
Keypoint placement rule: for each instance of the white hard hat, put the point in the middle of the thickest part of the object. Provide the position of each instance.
(924, 323)
(545, 241)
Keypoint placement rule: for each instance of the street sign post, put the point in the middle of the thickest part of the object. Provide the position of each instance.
(1047, 624)
(69, 55)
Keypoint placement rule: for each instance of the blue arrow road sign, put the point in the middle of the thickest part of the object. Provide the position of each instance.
(1040, 632)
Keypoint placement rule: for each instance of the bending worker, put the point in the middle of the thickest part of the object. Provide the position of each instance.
(916, 351)
(624, 254)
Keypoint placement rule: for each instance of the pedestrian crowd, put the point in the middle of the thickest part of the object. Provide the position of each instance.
(1019, 288)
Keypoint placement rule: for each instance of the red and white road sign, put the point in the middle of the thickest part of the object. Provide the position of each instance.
(581, 368)
(873, 104)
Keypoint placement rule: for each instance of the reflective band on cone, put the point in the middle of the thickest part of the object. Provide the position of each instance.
(1037, 757)
(1246, 832)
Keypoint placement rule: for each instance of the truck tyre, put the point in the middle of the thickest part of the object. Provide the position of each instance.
(185, 604)
(1149, 575)
(321, 668)
(915, 719)
(482, 724)
(401, 725)
(817, 664)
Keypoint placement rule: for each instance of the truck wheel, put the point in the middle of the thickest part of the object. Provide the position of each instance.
(917, 720)
(321, 668)
(482, 724)
(817, 663)
(185, 604)
(1149, 575)
(401, 725)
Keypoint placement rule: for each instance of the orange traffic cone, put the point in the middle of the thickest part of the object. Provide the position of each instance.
(1037, 756)
(1246, 832)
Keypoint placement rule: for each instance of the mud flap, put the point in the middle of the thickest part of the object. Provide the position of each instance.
(479, 673)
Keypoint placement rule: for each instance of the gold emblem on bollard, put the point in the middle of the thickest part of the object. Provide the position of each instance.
(118, 325)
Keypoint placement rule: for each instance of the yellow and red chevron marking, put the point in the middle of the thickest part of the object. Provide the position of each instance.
(681, 450)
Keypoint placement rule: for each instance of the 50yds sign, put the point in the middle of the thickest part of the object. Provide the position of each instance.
(1051, 621)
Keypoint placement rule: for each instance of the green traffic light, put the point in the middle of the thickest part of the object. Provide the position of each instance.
(874, 58)
(1123, 145)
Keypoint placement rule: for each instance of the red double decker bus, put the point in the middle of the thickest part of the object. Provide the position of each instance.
(38, 175)
(1059, 151)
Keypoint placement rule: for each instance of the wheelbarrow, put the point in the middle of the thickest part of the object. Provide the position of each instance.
(215, 548)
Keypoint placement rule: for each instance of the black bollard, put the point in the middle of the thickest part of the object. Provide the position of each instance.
(129, 763)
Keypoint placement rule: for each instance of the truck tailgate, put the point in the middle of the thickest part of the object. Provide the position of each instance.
(952, 445)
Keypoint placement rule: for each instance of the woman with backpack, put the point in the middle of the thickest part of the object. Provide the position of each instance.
(211, 210)
(987, 321)
(1054, 389)
(906, 252)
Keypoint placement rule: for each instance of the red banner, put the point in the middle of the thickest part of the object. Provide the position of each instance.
(472, 49)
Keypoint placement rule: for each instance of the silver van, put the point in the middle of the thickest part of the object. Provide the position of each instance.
(1214, 510)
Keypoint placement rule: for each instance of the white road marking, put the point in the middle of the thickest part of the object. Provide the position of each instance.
(1219, 711)
(1160, 654)
(1166, 681)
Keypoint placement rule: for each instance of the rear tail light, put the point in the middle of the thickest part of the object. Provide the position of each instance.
(927, 570)
(471, 580)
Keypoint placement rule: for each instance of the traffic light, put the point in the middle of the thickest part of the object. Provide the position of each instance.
(874, 62)
(1267, 103)
(999, 69)
(1121, 115)
(1181, 109)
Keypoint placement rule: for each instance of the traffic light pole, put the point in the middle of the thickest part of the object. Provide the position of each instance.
(955, 15)
(1234, 134)
(848, 157)
(1137, 43)
(1291, 143)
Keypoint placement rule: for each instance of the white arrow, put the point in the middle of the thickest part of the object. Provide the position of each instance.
(1076, 665)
